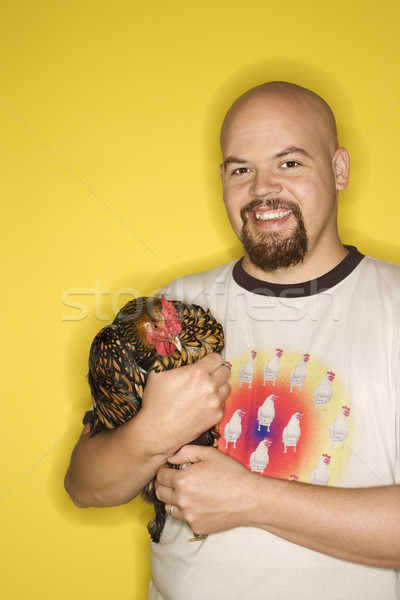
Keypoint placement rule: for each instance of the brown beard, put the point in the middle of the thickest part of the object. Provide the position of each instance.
(270, 251)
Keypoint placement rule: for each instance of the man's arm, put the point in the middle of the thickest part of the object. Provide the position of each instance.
(112, 467)
(217, 493)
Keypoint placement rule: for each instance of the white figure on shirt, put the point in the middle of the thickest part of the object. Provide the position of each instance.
(233, 428)
(339, 430)
(246, 371)
(323, 392)
(271, 368)
(291, 433)
(266, 412)
(259, 459)
(299, 373)
(320, 475)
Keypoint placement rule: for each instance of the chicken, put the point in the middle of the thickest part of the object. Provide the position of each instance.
(266, 412)
(259, 459)
(320, 475)
(299, 373)
(291, 433)
(339, 430)
(148, 334)
(323, 392)
(271, 368)
(233, 428)
(246, 371)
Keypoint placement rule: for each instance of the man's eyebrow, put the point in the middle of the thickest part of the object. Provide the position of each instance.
(292, 150)
(286, 152)
(233, 159)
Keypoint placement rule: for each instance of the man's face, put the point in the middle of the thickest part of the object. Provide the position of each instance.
(279, 184)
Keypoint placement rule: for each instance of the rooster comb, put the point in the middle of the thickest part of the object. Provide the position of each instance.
(170, 316)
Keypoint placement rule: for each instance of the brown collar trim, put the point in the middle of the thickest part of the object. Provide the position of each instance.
(298, 290)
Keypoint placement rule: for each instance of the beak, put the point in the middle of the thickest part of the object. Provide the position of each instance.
(177, 343)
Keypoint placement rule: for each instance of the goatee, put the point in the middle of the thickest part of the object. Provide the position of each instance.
(270, 251)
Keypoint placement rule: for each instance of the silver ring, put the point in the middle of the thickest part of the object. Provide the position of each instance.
(170, 510)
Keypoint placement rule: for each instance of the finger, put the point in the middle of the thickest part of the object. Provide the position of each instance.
(224, 390)
(173, 511)
(189, 454)
(220, 375)
(165, 494)
(211, 362)
(165, 477)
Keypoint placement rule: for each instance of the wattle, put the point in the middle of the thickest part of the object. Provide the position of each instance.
(164, 348)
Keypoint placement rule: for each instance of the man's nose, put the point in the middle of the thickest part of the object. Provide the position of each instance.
(264, 183)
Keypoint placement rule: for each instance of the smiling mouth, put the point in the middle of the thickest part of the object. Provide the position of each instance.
(271, 216)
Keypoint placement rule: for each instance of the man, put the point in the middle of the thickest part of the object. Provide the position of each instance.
(313, 341)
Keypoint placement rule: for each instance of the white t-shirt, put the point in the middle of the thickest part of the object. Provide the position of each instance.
(315, 398)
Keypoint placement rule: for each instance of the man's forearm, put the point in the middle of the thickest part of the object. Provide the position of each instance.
(112, 467)
(217, 493)
(360, 525)
(178, 405)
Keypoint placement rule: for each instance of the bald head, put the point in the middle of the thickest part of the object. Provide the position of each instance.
(274, 99)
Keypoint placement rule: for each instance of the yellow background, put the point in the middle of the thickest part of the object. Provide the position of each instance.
(109, 125)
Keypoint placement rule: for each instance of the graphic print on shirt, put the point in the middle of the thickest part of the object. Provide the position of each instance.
(271, 368)
(233, 429)
(246, 371)
(287, 416)
(299, 373)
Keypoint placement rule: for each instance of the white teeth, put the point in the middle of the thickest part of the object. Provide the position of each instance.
(272, 215)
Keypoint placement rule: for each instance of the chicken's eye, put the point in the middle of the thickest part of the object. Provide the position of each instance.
(155, 326)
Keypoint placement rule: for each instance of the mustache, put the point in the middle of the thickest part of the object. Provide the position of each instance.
(270, 203)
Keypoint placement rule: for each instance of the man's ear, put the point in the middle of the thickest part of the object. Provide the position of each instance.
(341, 168)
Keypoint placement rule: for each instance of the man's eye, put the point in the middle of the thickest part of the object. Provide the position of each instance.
(240, 171)
(290, 164)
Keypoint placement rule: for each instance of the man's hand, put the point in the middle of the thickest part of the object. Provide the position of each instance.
(214, 493)
(179, 405)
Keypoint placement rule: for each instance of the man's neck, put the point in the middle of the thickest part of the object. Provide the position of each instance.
(313, 266)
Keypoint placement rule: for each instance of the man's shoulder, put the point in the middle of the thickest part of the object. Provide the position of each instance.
(189, 287)
(382, 275)
(382, 267)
